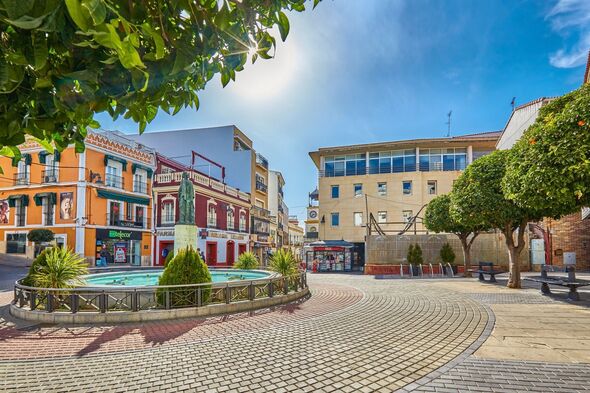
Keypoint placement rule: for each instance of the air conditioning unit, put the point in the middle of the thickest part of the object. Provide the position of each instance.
(50, 179)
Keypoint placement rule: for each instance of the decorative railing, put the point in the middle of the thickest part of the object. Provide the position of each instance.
(176, 177)
(106, 300)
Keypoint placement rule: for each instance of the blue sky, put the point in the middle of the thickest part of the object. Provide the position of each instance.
(375, 70)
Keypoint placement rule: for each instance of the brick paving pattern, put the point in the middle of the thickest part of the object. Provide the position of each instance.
(483, 375)
(392, 334)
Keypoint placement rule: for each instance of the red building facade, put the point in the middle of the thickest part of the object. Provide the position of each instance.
(222, 214)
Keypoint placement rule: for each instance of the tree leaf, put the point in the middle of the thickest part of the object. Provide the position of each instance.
(39, 50)
(77, 14)
(46, 145)
(17, 8)
(96, 9)
(283, 25)
(27, 22)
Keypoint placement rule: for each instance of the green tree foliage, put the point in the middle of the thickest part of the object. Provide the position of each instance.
(184, 269)
(478, 199)
(168, 258)
(283, 262)
(63, 268)
(40, 235)
(447, 254)
(35, 266)
(550, 165)
(247, 260)
(415, 254)
(63, 61)
(438, 218)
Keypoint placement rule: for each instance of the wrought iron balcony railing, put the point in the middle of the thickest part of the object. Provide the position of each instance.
(113, 181)
(49, 176)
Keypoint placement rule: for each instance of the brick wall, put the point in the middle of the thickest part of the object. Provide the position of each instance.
(570, 234)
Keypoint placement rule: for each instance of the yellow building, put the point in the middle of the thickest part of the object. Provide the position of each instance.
(98, 200)
(389, 181)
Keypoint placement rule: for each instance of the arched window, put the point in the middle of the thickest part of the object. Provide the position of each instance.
(230, 218)
(242, 222)
(211, 216)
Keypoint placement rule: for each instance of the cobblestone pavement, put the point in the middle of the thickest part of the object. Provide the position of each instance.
(355, 334)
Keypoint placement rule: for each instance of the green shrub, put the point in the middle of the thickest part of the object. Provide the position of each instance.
(415, 254)
(447, 254)
(37, 263)
(63, 268)
(168, 258)
(40, 236)
(247, 260)
(283, 262)
(184, 269)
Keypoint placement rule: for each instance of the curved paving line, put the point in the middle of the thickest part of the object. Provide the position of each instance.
(457, 360)
(212, 337)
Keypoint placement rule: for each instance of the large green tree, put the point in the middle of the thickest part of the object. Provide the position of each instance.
(478, 199)
(550, 165)
(438, 218)
(63, 61)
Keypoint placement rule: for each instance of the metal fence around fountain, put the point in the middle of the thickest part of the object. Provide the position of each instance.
(168, 297)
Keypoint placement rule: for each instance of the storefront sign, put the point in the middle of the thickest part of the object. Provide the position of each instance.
(117, 234)
(328, 248)
(165, 232)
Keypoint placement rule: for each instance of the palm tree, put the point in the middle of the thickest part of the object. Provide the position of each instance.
(63, 268)
(247, 260)
(283, 262)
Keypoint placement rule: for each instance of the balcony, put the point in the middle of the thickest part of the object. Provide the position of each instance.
(260, 212)
(260, 186)
(140, 187)
(117, 221)
(261, 160)
(113, 181)
(167, 220)
(22, 179)
(49, 176)
(260, 227)
(281, 210)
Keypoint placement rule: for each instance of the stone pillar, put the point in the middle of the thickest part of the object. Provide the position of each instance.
(184, 236)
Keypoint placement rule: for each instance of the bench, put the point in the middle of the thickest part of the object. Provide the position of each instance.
(488, 268)
(570, 282)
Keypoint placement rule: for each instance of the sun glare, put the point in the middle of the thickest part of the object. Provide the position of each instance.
(266, 79)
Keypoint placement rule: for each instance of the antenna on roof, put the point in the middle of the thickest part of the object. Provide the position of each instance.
(448, 123)
(513, 103)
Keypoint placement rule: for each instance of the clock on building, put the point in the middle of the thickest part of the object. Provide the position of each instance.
(313, 214)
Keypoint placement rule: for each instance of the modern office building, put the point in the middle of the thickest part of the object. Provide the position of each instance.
(222, 214)
(95, 200)
(389, 181)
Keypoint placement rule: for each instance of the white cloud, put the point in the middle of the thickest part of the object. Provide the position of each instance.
(571, 18)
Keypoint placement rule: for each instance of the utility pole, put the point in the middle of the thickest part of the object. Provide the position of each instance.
(367, 231)
(449, 123)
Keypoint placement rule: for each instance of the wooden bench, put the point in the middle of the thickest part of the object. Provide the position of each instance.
(488, 268)
(570, 282)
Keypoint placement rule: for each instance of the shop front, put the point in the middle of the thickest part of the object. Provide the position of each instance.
(118, 247)
(329, 256)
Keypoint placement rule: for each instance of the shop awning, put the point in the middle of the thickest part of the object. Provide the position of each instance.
(332, 243)
(149, 171)
(108, 157)
(19, 197)
(123, 197)
(51, 197)
(43, 156)
(26, 157)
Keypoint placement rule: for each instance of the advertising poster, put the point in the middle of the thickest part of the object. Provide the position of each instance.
(4, 211)
(66, 203)
(120, 252)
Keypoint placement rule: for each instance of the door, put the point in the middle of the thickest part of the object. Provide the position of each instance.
(230, 253)
(241, 249)
(211, 251)
(165, 249)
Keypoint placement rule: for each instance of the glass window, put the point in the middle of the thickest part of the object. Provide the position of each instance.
(382, 189)
(48, 209)
(431, 185)
(407, 215)
(349, 165)
(358, 190)
(211, 216)
(358, 219)
(335, 192)
(335, 219)
(16, 243)
(381, 217)
(243, 222)
(168, 212)
(230, 219)
(139, 216)
(407, 187)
